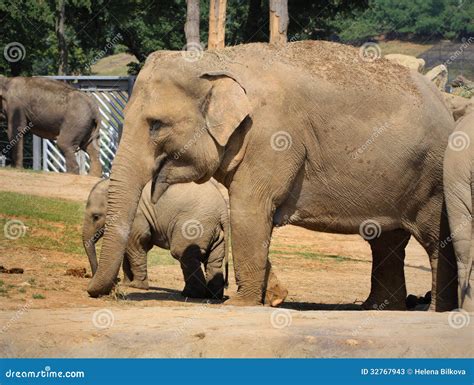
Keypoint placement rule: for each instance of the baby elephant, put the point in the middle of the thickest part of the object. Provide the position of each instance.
(190, 220)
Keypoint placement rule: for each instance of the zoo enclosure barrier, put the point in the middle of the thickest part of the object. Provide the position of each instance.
(111, 94)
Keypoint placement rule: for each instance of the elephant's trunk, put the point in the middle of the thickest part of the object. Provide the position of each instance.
(89, 239)
(129, 174)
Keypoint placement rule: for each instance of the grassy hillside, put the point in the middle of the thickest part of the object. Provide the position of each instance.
(113, 65)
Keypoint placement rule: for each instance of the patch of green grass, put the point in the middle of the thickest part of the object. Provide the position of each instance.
(51, 224)
(113, 65)
(32, 281)
(404, 47)
(40, 208)
(38, 296)
(1, 283)
(21, 290)
(157, 256)
(310, 255)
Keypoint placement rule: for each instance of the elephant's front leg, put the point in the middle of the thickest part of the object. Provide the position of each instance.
(17, 128)
(135, 259)
(388, 290)
(251, 232)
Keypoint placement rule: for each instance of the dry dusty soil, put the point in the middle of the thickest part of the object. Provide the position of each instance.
(49, 314)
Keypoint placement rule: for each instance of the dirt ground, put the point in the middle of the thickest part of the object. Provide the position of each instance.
(51, 315)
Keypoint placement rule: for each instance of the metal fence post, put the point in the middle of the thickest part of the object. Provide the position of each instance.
(36, 153)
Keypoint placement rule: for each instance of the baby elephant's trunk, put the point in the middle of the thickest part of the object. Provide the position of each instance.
(89, 239)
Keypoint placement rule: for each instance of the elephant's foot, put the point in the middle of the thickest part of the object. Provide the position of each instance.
(382, 303)
(137, 284)
(240, 300)
(215, 287)
(446, 300)
(194, 292)
(215, 292)
(275, 294)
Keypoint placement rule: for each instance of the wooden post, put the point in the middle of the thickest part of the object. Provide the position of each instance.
(217, 10)
(36, 153)
(191, 27)
(278, 21)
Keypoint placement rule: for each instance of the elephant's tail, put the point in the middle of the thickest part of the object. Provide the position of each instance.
(458, 182)
(95, 134)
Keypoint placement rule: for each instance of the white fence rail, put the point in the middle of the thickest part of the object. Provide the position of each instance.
(111, 94)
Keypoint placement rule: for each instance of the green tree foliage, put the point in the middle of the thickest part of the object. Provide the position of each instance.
(419, 19)
(95, 28)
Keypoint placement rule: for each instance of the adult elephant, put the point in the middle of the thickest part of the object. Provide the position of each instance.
(53, 110)
(308, 134)
(459, 190)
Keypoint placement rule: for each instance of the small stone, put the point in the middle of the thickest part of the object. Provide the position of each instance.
(79, 272)
(352, 342)
(200, 335)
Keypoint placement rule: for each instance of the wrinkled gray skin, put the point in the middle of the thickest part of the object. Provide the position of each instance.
(53, 110)
(190, 220)
(459, 191)
(281, 128)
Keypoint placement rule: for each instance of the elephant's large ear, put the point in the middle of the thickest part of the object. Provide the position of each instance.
(226, 105)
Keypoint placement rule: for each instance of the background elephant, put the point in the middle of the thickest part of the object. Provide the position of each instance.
(311, 134)
(53, 110)
(459, 191)
(190, 220)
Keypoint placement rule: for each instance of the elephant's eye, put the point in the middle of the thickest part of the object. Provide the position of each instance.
(155, 126)
(95, 217)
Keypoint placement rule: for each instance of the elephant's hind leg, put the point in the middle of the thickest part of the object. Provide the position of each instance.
(433, 233)
(190, 261)
(388, 290)
(92, 150)
(214, 270)
(69, 149)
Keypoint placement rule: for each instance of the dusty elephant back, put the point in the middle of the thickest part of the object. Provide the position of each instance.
(340, 65)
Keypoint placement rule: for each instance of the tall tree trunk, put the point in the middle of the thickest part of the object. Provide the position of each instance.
(191, 28)
(62, 45)
(253, 20)
(217, 11)
(278, 21)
